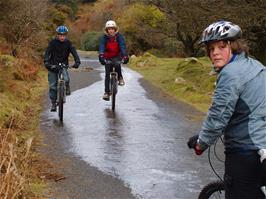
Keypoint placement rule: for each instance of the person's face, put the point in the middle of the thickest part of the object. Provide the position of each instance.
(111, 31)
(220, 53)
(61, 37)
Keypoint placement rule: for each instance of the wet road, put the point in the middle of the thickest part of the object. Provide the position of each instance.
(142, 143)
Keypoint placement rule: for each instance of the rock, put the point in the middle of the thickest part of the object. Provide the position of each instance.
(211, 73)
(192, 60)
(180, 80)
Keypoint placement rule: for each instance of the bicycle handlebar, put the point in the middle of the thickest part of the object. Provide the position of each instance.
(61, 65)
(115, 62)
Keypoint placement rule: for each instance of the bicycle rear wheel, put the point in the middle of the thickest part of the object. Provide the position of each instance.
(212, 191)
(113, 91)
(61, 101)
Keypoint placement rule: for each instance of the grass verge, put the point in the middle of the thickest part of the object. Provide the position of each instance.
(187, 79)
(22, 84)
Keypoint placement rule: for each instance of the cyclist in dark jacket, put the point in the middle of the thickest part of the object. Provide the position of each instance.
(57, 52)
(238, 111)
(112, 47)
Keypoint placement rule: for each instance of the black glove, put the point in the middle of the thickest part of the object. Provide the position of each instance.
(47, 65)
(192, 141)
(193, 144)
(76, 65)
(101, 59)
(54, 68)
(50, 67)
(125, 59)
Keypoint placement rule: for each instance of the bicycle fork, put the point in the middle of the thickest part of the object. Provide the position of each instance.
(113, 83)
(61, 87)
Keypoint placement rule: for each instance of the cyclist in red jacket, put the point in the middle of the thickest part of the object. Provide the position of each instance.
(112, 47)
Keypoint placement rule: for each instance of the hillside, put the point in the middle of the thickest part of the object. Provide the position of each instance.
(187, 79)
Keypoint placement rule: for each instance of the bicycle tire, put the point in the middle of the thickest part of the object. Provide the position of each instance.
(61, 101)
(114, 91)
(212, 190)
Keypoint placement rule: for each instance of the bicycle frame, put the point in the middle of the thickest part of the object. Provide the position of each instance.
(217, 187)
(113, 80)
(61, 90)
(60, 82)
(114, 77)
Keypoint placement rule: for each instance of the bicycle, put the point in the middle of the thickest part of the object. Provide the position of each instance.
(113, 80)
(61, 89)
(216, 189)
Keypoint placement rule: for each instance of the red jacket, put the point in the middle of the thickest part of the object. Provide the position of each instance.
(112, 46)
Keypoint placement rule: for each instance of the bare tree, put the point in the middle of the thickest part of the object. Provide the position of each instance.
(185, 21)
(23, 21)
(188, 18)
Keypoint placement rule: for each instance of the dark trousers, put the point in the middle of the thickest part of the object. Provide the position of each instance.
(108, 69)
(244, 175)
(52, 79)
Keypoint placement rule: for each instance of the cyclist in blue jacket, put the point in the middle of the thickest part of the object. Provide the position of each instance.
(112, 47)
(238, 111)
(57, 52)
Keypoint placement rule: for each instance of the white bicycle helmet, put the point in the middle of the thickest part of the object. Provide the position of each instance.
(110, 24)
(221, 30)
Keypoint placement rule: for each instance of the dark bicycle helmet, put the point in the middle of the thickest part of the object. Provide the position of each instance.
(221, 30)
(62, 30)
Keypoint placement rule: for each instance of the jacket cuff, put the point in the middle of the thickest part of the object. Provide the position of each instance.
(202, 144)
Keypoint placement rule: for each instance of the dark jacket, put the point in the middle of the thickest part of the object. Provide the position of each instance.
(58, 52)
(121, 44)
(238, 109)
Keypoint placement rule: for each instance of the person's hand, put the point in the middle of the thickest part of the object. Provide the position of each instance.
(76, 65)
(47, 65)
(192, 141)
(125, 59)
(54, 68)
(198, 150)
(101, 59)
(193, 144)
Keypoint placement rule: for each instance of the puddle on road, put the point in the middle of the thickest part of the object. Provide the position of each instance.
(139, 143)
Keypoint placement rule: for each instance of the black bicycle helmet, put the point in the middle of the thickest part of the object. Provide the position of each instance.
(62, 30)
(221, 30)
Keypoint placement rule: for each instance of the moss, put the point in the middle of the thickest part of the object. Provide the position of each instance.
(37, 187)
(6, 60)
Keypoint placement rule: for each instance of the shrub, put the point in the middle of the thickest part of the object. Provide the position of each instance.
(90, 41)
(58, 17)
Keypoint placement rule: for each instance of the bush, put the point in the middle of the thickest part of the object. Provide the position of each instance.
(137, 22)
(90, 41)
(58, 17)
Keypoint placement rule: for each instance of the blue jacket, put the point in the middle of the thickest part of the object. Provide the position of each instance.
(238, 109)
(121, 41)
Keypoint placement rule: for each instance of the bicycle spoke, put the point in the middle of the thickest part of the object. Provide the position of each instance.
(218, 195)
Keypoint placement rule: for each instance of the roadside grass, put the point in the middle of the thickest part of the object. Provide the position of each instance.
(22, 84)
(187, 79)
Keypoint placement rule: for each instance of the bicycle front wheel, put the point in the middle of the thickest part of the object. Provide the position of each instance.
(212, 191)
(61, 101)
(113, 91)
